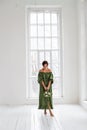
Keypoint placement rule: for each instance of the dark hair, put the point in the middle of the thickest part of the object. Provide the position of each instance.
(44, 62)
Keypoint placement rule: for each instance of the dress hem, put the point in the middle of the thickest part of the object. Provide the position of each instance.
(45, 108)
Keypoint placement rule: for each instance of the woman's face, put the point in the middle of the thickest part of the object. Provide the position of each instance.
(45, 66)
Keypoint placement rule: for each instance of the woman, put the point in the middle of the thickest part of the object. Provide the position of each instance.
(45, 79)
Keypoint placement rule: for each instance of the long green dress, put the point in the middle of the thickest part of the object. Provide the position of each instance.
(46, 77)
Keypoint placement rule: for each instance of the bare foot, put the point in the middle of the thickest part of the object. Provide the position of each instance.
(51, 114)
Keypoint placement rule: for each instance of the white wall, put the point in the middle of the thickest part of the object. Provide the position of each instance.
(13, 50)
(82, 13)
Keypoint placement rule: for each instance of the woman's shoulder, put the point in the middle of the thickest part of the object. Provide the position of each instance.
(49, 70)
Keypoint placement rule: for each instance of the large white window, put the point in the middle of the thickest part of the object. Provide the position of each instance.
(44, 43)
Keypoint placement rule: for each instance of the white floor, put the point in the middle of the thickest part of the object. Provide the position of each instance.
(67, 117)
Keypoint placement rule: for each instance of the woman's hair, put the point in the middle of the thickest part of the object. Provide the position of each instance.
(44, 62)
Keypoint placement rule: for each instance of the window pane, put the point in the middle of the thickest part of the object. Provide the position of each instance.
(59, 24)
(55, 69)
(59, 43)
(34, 89)
(59, 70)
(59, 57)
(33, 55)
(33, 43)
(40, 30)
(40, 43)
(55, 56)
(49, 65)
(34, 69)
(33, 30)
(40, 18)
(54, 30)
(40, 65)
(47, 18)
(47, 56)
(41, 56)
(47, 30)
(54, 43)
(57, 87)
(33, 19)
(47, 43)
(54, 18)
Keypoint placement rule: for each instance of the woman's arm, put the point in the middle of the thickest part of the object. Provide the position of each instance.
(50, 81)
(40, 79)
(49, 84)
(43, 85)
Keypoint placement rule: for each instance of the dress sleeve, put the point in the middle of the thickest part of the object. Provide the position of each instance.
(51, 78)
(40, 78)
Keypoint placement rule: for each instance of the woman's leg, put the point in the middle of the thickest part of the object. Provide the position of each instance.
(45, 111)
(51, 114)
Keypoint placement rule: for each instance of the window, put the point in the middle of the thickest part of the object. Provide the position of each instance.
(44, 43)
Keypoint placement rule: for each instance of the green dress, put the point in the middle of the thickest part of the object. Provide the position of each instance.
(43, 101)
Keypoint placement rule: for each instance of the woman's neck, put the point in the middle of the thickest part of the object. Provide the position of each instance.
(45, 68)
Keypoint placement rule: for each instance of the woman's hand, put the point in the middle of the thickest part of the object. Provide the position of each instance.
(45, 87)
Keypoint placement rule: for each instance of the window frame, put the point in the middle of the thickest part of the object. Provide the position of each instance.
(32, 8)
